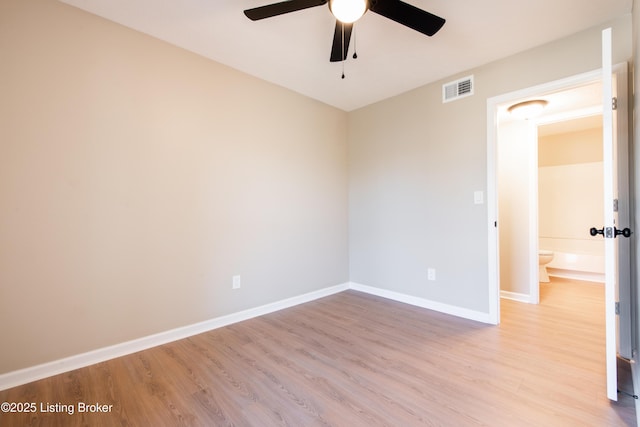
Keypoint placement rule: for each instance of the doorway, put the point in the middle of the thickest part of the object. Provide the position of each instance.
(528, 205)
(518, 176)
(524, 160)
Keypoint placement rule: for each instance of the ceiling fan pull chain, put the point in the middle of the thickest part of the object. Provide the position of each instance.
(355, 55)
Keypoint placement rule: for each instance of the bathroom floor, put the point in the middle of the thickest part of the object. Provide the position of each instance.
(560, 292)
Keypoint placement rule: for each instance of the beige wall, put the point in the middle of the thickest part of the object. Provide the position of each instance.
(515, 140)
(136, 178)
(584, 146)
(570, 203)
(415, 164)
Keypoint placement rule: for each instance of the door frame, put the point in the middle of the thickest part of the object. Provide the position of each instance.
(493, 104)
(492, 179)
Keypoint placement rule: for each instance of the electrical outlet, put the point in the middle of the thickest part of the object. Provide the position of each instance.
(236, 282)
(431, 274)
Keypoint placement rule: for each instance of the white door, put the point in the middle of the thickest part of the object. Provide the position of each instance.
(611, 253)
(616, 217)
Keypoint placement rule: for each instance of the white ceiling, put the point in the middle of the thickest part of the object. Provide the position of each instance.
(292, 50)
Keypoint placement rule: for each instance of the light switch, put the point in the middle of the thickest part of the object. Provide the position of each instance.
(478, 197)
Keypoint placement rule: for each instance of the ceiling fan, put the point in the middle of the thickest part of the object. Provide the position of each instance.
(349, 11)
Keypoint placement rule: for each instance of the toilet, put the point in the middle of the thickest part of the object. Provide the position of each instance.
(544, 258)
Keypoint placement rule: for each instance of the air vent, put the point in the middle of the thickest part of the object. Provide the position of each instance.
(458, 89)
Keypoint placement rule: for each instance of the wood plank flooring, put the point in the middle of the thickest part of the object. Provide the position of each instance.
(353, 359)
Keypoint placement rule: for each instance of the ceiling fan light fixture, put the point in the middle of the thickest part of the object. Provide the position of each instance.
(528, 109)
(348, 11)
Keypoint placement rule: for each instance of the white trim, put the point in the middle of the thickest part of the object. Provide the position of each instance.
(534, 258)
(478, 316)
(34, 373)
(583, 276)
(517, 296)
(493, 229)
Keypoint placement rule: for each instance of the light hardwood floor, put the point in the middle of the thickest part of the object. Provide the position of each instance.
(353, 359)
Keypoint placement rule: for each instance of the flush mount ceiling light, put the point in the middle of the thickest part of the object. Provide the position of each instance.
(348, 11)
(528, 109)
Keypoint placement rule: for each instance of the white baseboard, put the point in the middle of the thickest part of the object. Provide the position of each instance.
(424, 303)
(34, 373)
(584, 276)
(516, 296)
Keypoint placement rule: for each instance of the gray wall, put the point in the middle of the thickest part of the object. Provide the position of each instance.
(414, 164)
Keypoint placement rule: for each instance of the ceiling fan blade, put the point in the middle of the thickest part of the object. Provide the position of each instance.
(281, 8)
(408, 15)
(336, 49)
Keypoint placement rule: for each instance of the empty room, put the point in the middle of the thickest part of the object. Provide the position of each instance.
(255, 213)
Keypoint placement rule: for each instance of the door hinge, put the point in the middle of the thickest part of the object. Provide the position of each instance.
(614, 103)
(615, 205)
(617, 307)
